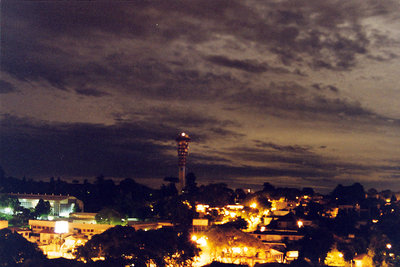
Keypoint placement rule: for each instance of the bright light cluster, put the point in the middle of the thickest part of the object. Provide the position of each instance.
(61, 227)
(201, 241)
(201, 208)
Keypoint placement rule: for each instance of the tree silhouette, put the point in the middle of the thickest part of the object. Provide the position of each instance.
(238, 223)
(349, 194)
(315, 244)
(222, 240)
(14, 249)
(138, 248)
(42, 209)
(191, 185)
(110, 216)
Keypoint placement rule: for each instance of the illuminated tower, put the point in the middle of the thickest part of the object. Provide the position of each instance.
(183, 147)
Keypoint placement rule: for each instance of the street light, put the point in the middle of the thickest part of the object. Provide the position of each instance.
(300, 224)
(61, 227)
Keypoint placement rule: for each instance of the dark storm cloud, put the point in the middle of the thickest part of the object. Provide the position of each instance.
(228, 171)
(6, 87)
(310, 29)
(203, 126)
(301, 162)
(129, 148)
(34, 62)
(327, 87)
(294, 148)
(384, 58)
(245, 65)
(42, 149)
(293, 100)
(196, 158)
(297, 159)
(77, 18)
(308, 32)
(25, 56)
(190, 84)
(248, 65)
(39, 53)
(297, 31)
(91, 92)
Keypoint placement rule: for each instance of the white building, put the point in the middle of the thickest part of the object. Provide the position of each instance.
(61, 205)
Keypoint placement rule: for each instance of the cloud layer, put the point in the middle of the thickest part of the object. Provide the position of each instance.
(303, 92)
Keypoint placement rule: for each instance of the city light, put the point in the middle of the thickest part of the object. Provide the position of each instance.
(236, 250)
(300, 224)
(201, 208)
(8, 210)
(61, 227)
(293, 254)
(253, 205)
(235, 207)
(201, 241)
(389, 246)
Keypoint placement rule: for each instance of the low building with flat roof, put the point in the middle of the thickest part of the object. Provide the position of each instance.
(3, 224)
(88, 229)
(277, 235)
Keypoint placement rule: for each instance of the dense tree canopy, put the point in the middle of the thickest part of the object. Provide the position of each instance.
(15, 249)
(315, 244)
(225, 241)
(125, 245)
(110, 216)
(349, 194)
(7, 201)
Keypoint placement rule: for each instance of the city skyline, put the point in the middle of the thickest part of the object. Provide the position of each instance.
(301, 94)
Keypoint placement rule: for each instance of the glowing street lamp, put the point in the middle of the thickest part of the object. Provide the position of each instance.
(389, 246)
(61, 227)
(300, 224)
(202, 241)
(236, 250)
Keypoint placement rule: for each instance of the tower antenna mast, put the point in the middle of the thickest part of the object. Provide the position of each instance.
(183, 147)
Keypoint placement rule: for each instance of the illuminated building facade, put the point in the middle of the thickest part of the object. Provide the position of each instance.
(61, 205)
(183, 147)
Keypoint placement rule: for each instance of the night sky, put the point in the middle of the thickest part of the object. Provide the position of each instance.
(295, 93)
